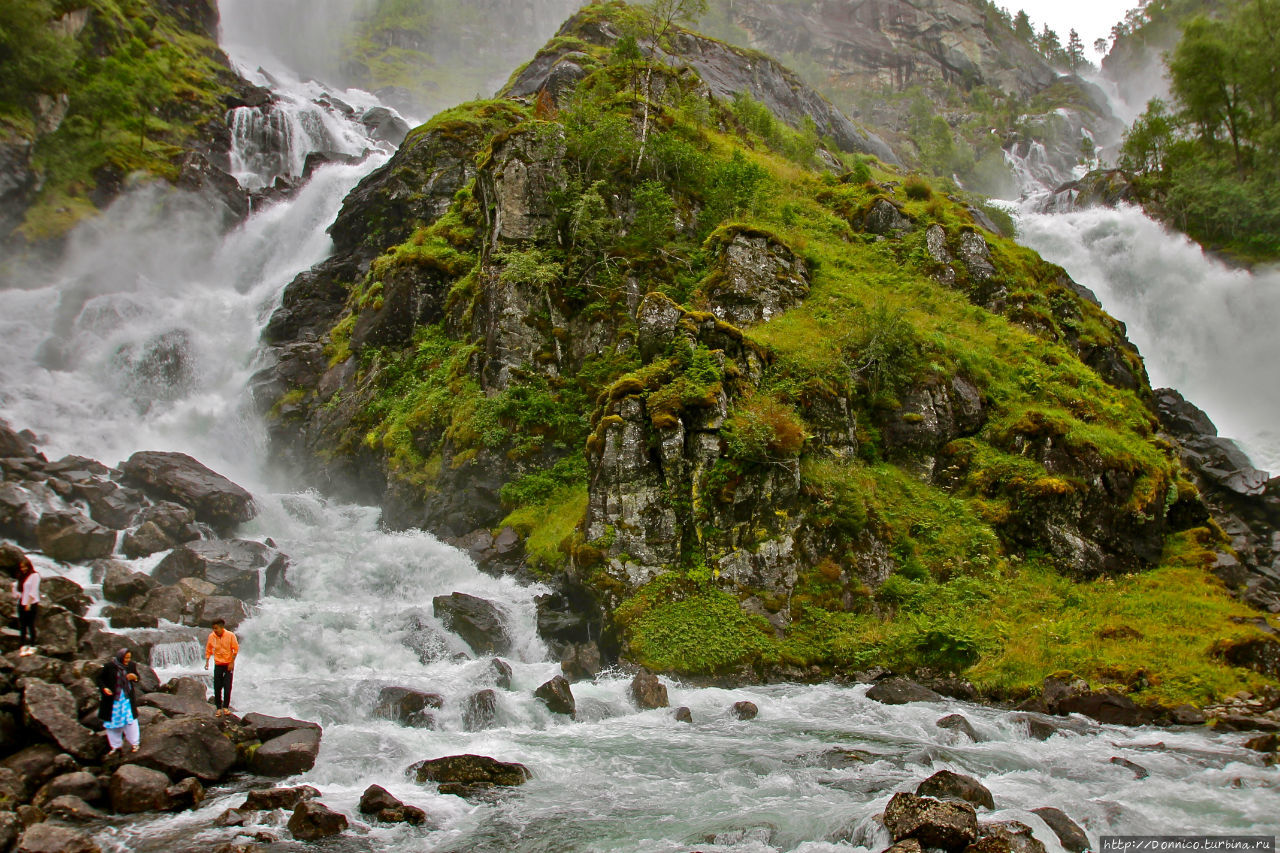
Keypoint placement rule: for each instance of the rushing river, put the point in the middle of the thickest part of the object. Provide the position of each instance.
(144, 338)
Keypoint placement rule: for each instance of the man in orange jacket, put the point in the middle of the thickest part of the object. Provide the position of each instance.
(223, 648)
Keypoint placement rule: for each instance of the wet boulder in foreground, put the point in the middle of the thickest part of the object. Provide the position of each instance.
(187, 746)
(468, 774)
(946, 784)
(557, 696)
(288, 754)
(1073, 838)
(214, 499)
(934, 823)
(312, 821)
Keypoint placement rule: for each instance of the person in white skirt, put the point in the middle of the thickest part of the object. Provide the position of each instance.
(116, 708)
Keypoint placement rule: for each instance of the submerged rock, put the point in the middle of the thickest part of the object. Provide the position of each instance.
(408, 707)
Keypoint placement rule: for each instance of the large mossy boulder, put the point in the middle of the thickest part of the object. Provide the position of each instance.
(468, 773)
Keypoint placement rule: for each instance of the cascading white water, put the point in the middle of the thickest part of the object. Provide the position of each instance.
(144, 337)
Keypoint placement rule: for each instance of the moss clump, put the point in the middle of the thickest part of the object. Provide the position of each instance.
(549, 526)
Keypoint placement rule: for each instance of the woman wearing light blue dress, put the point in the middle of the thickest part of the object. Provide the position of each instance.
(116, 709)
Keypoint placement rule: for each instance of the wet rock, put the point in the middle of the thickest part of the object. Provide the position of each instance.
(1007, 836)
(122, 585)
(946, 784)
(564, 620)
(581, 662)
(842, 758)
(51, 710)
(10, 829)
(287, 754)
(1057, 689)
(312, 821)
(408, 707)
(900, 691)
(51, 838)
(64, 593)
(127, 617)
(906, 845)
(383, 124)
(469, 773)
(139, 789)
(268, 728)
(32, 767)
(480, 711)
(934, 823)
(60, 631)
(557, 696)
(382, 806)
(959, 725)
(278, 798)
(683, 715)
(71, 537)
(1038, 726)
(1073, 838)
(187, 746)
(19, 516)
(1263, 743)
(185, 795)
(647, 691)
(68, 809)
(477, 621)
(1105, 706)
(754, 279)
(168, 603)
(1139, 772)
(176, 522)
(78, 784)
(1187, 715)
(236, 567)
(213, 498)
(230, 610)
(177, 706)
(885, 219)
(745, 710)
(146, 539)
(233, 817)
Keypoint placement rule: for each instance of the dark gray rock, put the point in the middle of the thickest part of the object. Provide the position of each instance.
(287, 754)
(176, 522)
(501, 673)
(1138, 771)
(51, 710)
(477, 621)
(214, 499)
(139, 789)
(885, 219)
(234, 566)
(185, 795)
(122, 585)
(51, 838)
(647, 691)
(187, 746)
(480, 711)
(960, 725)
(225, 607)
(1179, 417)
(68, 809)
(683, 715)
(946, 784)
(268, 728)
(470, 772)
(1073, 838)
(177, 706)
(934, 823)
(278, 798)
(383, 124)
(126, 617)
(78, 784)
(64, 593)
(1006, 836)
(1105, 706)
(557, 696)
(754, 279)
(312, 821)
(72, 537)
(408, 707)
(581, 661)
(19, 515)
(900, 691)
(146, 539)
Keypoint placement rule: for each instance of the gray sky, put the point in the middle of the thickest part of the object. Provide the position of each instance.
(1091, 18)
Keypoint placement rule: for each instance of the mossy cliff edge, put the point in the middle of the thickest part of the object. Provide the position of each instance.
(97, 92)
(760, 406)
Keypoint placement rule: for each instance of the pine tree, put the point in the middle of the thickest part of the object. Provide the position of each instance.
(1075, 51)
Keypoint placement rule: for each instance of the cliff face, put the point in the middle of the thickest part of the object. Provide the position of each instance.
(766, 407)
(124, 88)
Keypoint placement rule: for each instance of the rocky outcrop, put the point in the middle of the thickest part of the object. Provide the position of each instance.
(213, 498)
(754, 279)
(239, 568)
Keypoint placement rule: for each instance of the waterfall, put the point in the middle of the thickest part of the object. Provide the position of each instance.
(144, 336)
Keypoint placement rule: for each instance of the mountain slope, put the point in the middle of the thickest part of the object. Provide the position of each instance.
(754, 406)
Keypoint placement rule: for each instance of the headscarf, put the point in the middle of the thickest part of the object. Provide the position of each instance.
(122, 674)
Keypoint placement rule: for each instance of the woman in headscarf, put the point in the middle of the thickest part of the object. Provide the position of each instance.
(27, 589)
(116, 709)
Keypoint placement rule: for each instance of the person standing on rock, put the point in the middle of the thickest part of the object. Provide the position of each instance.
(223, 648)
(116, 708)
(27, 589)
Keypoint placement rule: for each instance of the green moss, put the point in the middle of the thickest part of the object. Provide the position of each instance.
(549, 526)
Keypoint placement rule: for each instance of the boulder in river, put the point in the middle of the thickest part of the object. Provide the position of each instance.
(288, 754)
(408, 707)
(51, 838)
(946, 784)
(581, 661)
(476, 620)
(647, 691)
(463, 774)
(683, 715)
(1105, 706)
(187, 746)
(122, 585)
(236, 567)
(186, 794)
(278, 798)
(745, 710)
(378, 803)
(557, 696)
(1073, 838)
(480, 711)
(312, 821)
(72, 537)
(213, 498)
(1006, 836)
(959, 725)
(900, 691)
(139, 789)
(947, 824)
(268, 728)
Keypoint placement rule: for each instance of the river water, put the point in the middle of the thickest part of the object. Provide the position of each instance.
(144, 338)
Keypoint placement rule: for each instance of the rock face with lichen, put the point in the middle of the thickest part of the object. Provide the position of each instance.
(577, 315)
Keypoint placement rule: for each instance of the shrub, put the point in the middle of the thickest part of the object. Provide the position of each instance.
(763, 429)
(917, 188)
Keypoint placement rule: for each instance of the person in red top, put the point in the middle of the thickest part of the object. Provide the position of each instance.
(223, 648)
